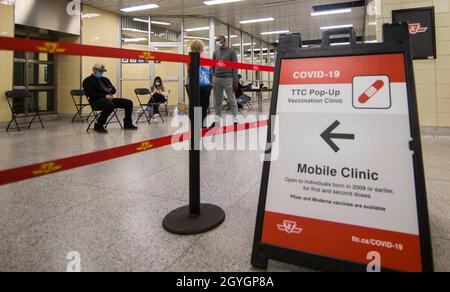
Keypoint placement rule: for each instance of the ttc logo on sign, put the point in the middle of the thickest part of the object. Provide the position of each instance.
(416, 28)
(372, 92)
(290, 227)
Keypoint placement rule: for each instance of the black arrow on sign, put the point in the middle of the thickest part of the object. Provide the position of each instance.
(328, 135)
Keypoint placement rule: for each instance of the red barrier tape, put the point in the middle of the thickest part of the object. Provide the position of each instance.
(232, 65)
(45, 168)
(42, 46)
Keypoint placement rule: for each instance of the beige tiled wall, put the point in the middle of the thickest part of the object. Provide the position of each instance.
(6, 59)
(69, 78)
(100, 31)
(432, 76)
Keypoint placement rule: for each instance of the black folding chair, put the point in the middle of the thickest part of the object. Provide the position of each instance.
(22, 105)
(77, 97)
(166, 107)
(147, 108)
(246, 100)
(96, 113)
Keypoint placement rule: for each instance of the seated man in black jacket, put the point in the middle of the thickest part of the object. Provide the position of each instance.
(101, 96)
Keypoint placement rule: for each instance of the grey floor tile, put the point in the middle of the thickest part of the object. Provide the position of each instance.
(441, 250)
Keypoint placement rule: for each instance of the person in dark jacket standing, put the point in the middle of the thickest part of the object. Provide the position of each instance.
(225, 79)
(100, 92)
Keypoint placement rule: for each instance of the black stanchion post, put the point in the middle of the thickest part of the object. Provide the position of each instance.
(194, 153)
(195, 218)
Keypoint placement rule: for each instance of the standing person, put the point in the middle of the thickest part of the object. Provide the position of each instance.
(159, 94)
(224, 78)
(205, 81)
(100, 92)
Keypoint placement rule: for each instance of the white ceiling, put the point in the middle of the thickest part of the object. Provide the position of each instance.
(289, 15)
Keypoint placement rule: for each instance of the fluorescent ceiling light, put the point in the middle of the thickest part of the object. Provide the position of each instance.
(336, 26)
(232, 36)
(217, 2)
(89, 15)
(275, 32)
(245, 45)
(140, 20)
(134, 40)
(329, 12)
(153, 22)
(197, 29)
(257, 20)
(134, 30)
(139, 8)
(196, 38)
(373, 23)
(340, 44)
(161, 23)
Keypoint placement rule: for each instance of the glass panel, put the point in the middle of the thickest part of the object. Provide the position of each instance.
(19, 55)
(235, 42)
(43, 57)
(19, 74)
(196, 29)
(45, 100)
(135, 73)
(166, 30)
(41, 74)
(247, 57)
(221, 29)
(170, 74)
(135, 33)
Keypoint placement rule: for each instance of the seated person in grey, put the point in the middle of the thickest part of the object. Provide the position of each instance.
(100, 92)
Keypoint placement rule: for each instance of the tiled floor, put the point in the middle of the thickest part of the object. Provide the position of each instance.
(111, 212)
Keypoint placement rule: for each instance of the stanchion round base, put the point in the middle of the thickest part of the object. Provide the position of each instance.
(181, 222)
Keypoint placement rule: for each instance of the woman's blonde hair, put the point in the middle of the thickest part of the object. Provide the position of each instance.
(197, 46)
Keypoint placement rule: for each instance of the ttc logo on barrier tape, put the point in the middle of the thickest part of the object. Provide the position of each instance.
(52, 48)
(145, 146)
(148, 56)
(47, 168)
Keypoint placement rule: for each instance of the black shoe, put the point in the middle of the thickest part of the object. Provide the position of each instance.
(100, 129)
(130, 127)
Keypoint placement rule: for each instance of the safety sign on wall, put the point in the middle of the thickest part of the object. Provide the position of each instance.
(344, 185)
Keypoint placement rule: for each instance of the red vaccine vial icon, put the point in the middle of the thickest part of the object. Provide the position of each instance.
(371, 91)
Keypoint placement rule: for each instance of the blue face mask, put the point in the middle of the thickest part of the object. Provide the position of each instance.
(218, 45)
(99, 74)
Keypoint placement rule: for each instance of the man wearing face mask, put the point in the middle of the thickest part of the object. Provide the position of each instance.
(225, 78)
(101, 92)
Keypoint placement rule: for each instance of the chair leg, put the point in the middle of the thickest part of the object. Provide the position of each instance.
(37, 115)
(78, 114)
(117, 118)
(40, 120)
(13, 119)
(89, 117)
(32, 120)
(145, 109)
(93, 120)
